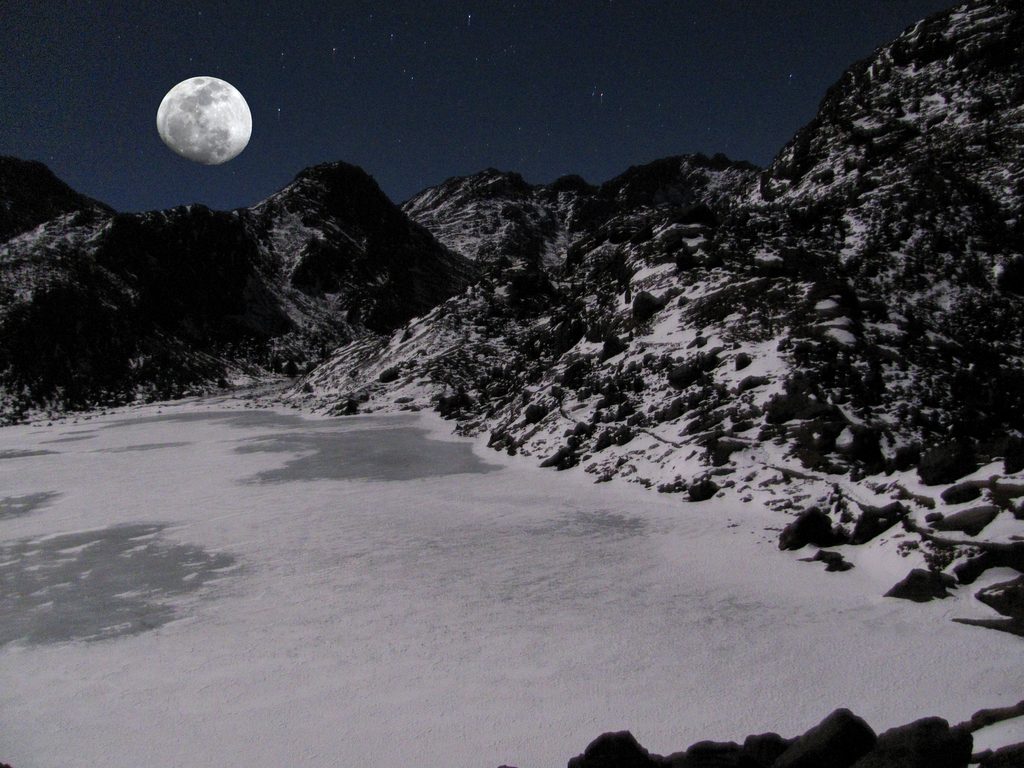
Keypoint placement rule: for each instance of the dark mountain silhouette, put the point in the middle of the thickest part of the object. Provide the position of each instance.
(98, 307)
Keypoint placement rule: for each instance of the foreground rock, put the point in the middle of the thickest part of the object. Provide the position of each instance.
(812, 526)
(1006, 598)
(921, 586)
(926, 743)
(837, 741)
(970, 521)
(841, 740)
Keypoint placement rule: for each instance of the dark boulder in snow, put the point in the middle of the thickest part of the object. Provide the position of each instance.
(833, 561)
(925, 743)
(534, 412)
(969, 521)
(946, 463)
(645, 306)
(702, 490)
(812, 526)
(961, 493)
(686, 374)
(713, 754)
(876, 520)
(563, 458)
(765, 748)
(751, 382)
(1007, 597)
(838, 741)
(1007, 757)
(452, 403)
(612, 346)
(922, 586)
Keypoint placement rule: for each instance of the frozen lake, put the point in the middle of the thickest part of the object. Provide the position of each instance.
(206, 585)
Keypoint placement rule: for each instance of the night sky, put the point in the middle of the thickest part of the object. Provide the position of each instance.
(416, 91)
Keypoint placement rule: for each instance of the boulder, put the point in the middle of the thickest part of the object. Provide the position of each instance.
(645, 306)
(742, 360)
(702, 490)
(452, 403)
(970, 521)
(925, 743)
(388, 374)
(838, 741)
(612, 346)
(614, 750)
(1006, 757)
(563, 458)
(684, 375)
(874, 521)
(833, 561)
(946, 463)
(534, 412)
(1008, 555)
(812, 526)
(716, 754)
(751, 382)
(921, 586)
(1006, 598)
(961, 493)
(765, 748)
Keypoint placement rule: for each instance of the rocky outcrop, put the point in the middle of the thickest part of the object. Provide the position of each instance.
(1007, 599)
(921, 586)
(970, 521)
(925, 743)
(812, 526)
(841, 740)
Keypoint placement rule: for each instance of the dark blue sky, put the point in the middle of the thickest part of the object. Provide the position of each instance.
(416, 91)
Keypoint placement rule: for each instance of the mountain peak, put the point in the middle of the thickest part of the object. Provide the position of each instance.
(335, 171)
(32, 194)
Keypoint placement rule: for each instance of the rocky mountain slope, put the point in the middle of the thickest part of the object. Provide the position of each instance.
(840, 333)
(98, 307)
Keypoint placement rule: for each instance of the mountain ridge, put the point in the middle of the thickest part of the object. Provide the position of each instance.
(181, 300)
(839, 332)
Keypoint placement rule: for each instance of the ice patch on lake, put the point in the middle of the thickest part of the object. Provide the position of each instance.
(365, 453)
(16, 506)
(97, 584)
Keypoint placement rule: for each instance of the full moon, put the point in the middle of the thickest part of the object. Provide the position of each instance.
(204, 119)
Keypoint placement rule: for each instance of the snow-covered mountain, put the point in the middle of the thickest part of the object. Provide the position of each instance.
(498, 220)
(98, 307)
(842, 329)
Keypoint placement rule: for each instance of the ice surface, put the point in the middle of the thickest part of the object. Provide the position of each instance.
(449, 614)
